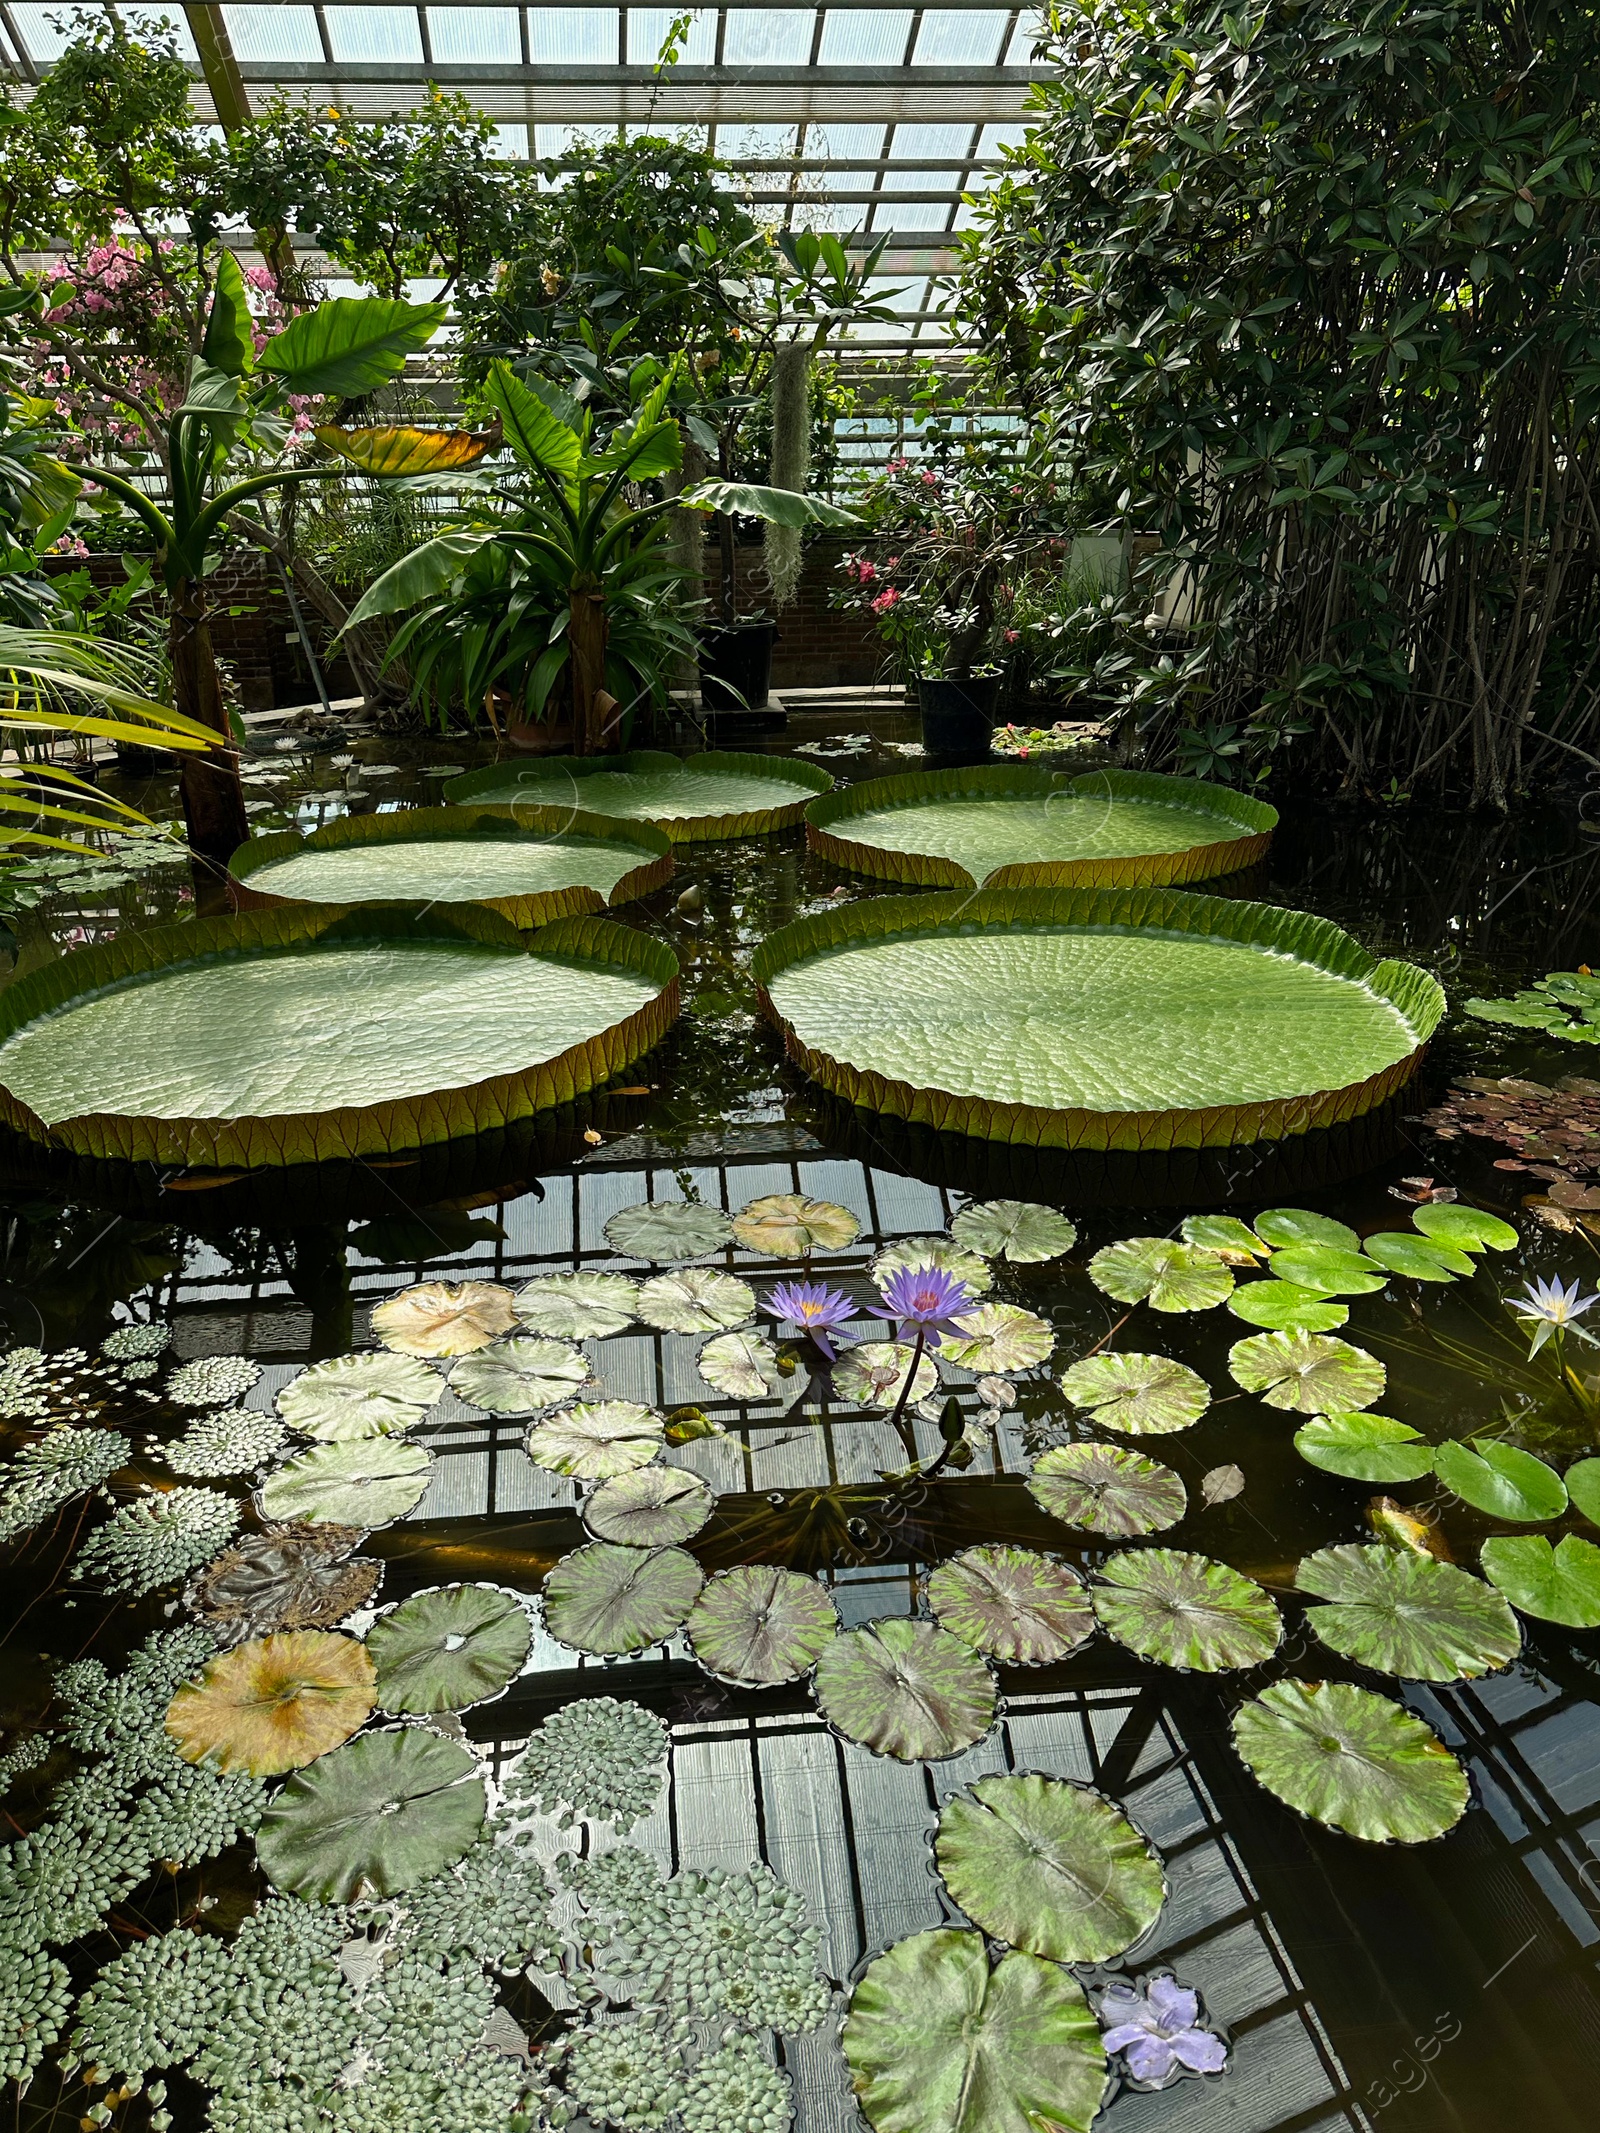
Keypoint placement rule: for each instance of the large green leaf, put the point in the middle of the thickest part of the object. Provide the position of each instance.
(1351, 1760)
(359, 1395)
(1160, 1271)
(420, 574)
(1364, 1447)
(1407, 1614)
(1137, 1395)
(1583, 1488)
(1283, 1307)
(936, 2042)
(668, 1229)
(517, 1376)
(652, 1507)
(378, 1815)
(906, 1689)
(1287, 1228)
(759, 1625)
(578, 1306)
(448, 1649)
(610, 1600)
(1022, 1608)
(537, 437)
(1105, 1490)
(229, 345)
(779, 507)
(1501, 1480)
(1560, 1584)
(1469, 1229)
(369, 1482)
(997, 1337)
(1420, 1258)
(350, 345)
(1048, 1867)
(1309, 1373)
(1017, 1230)
(1186, 1610)
(719, 794)
(595, 1440)
(1225, 1235)
(1328, 1269)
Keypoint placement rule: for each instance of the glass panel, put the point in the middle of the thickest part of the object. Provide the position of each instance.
(36, 27)
(271, 33)
(737, 144)
(994, 139)
(1029, 29)
(924, 142)
(511, 142)
(647, 29)
(462, 35)
(558, 140)
(918, 215)
(769, 37)
(852, 144)
(692, 135)
(865, 37)
(952, 37)
(821, 215)
(375, 34)
(573, 36)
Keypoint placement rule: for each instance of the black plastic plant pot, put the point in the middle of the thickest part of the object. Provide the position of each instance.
(736, 667)
(958, 717)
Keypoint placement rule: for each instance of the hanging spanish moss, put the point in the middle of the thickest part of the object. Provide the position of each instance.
(791, 463)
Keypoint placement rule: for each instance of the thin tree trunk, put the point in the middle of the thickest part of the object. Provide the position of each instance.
(213, 798)
(586, 633)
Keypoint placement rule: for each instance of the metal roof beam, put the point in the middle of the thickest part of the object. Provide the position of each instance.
(218, 66)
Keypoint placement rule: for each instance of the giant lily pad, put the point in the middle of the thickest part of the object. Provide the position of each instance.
(1186, 1610)
(718, 794)
(791, 1225)
(957, 1260)
(1095, 1018)
(1283, 1307)
(359, 1396)
(1559, 1584)
(1137, 1395)
(1022, 1608)
(594, 1440)
(1407, 1614)
(577, 1307)
(1017, 1230)
(1364, 1447)
(1309, 1373)
(758, 1625)
(1048, 1867)
(874, 1373)
(1352, 1760)
(937, 2042)
(609, 1600)
(1166, 1274)
(274, 1704)
(516, 1376)
(310, 1032)
(742, 1365)
(376, 1816)
(1287, 1228)
(668, 1229)
(1328, 1269)
(443, 1318)
(1420, 1258)
(654, 1507)
(367, 1483)
(448, 1649)
(1102, 1489)
(906, 1689)
(699, 1300)
(997, 1338)
(1500, 1480)
(1469, 1229)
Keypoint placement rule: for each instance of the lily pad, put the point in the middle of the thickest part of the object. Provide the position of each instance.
(1225, 1235)
(1364, 1447)
(906, 1689)
(1018, 1230)
(744, 1366)
(1559, 1584)
(668, 1229)
(359, 1396)
(1308, 1373)
(517, 1376)
(654, 1507)
(1583, 1488)
(699, 1300)
(1282, 1307)
(873, 1374)
(1283, 1227)
(1048, 1867)
(758, 1625)
(448, 1649)
(937, 2042)
(1352, 1761)
(1418, 1258)
(1022, 1608)
(1186, 1610)
(1407, 1614)
(367, 1483)
(967, 1267)
(1160, 1271)
(1137, 1395)
(295, 1576)
(1102, 1489)
(1500, 1480)
(594, 1440)
(577, 1307)
(1469, 1229)
(444, 1317)
(609, 1600)
(374, 1817)
(791, 1225)
(997, 1338)
(717, 794)
(1329, 1270)
(274, 1704)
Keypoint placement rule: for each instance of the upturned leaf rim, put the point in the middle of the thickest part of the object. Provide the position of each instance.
(471, 785)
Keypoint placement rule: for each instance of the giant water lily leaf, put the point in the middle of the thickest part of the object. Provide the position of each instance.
(1351, 1760)
(905, 1688)
(444, 1317)
(744, 1366)
(1225, 1235)
(594, 1440)
(517, 1376)
(1328, 1270)
(1469, 1229)
(758, 1625)
(699, 1300)
(1048, 1867)
(359, 1396)
(1102, 1489)
(367, 1483)
(448, 1649)
(718, 794)
(790, 1225)
(1500, 1480)
(376, 1816)
(1406, 1614)
(936, 2042)
(1364, 1447)
(577, 1307)
(1559, 1584)
(654, 1507)
(1163, 1272)
(609, 1600)
(873, 1374)
(1017, 1230)
(1282, 1307)
(1022, 1608)
(668, 1229)
(997, 1338)
(1137, 1395)
(1419, 1258)
(1186, 1610)
(1308, 1373)
(274, 1704)
(1287, 1227)
(967, 1267)
(1583, 1488)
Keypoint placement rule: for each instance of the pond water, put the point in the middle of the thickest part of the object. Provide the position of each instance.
(1450, 1985)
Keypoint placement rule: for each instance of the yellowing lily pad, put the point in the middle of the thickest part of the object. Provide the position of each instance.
(791, 1225)
(274, 1704)
(1308, 1373)
(578, 1307)
(444, 1317)
(1163, 1272)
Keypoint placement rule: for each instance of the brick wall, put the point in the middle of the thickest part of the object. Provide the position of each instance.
(818, 647)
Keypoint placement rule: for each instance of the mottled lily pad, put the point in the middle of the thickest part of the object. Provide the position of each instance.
(448, 1649)
(906, 1689)
(790, 1225)
(517, 1376)
(374, 1817)
(1048, 1867)
(699, 1300)
(654, 1507)
(668, 1229)
(1017, 1230)
(967, 1267)
(1282, 1307)
(1227, 1236)
(1407, 1614)
(1162, 1272)
(1103, 1489)
(1137, 1395)
(1308, 1373)
(1418, 1258)
(758, 1625)
(295, 1576)
(1351, 1760)
(352, 1396)
(274, 1704)
(1186, 1611)
(576, 1307)
(873, 1374)
(744, 1366)
(1469, 1229)
(1022, 1608)
(595, 1439)
(1501, 1480)
(1559, 1584)
(1285, 1227)
(1364, 1447)
(366, 1483)
(1328, 1270)
(444, 1317)
(997, 1337)
(609, 1600)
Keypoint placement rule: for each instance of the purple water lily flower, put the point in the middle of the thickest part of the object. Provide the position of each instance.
(1159, 2029)
(923, 1296)
(813, 1307)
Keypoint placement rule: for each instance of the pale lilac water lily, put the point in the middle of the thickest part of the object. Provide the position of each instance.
(813, 1307)
(1159, 2029)
(1546, 1308)
(923, 1296)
